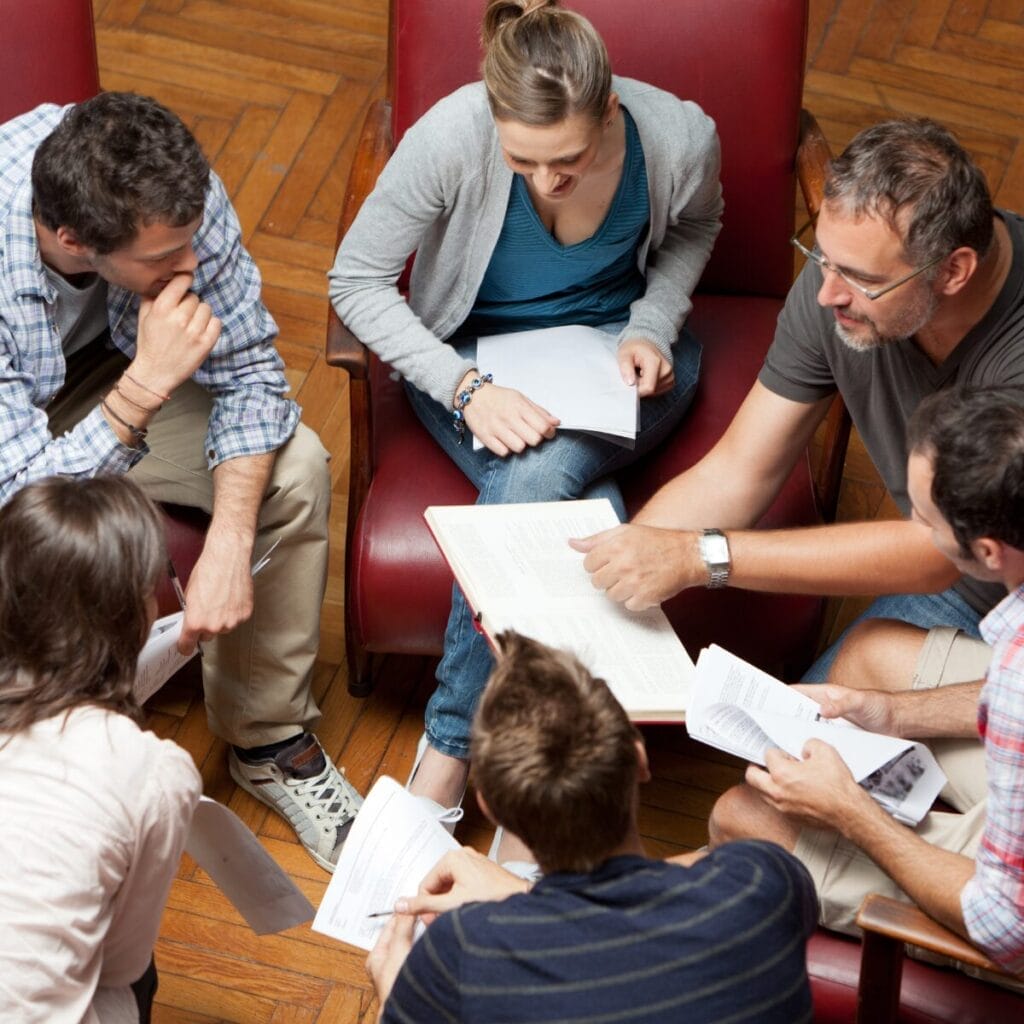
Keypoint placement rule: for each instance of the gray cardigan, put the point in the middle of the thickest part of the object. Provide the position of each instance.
(443, 195)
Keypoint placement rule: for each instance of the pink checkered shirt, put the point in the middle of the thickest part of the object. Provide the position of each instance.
(993, 900)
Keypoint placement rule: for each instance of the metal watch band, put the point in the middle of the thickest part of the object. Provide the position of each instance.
(714, 549)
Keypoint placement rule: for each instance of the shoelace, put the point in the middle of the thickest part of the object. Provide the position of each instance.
(450, 815)
(322, 788)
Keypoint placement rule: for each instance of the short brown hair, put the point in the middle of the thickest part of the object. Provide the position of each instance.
(915, 165)
(78, 559)
(543, 63)
(116, 163)
(554, 756)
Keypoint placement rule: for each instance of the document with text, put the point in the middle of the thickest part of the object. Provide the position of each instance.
(515, 566)
(392, 845)
(160, 658)
(572, 372)
(744, 711)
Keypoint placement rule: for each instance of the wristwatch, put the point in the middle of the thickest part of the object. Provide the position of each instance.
(714, 549)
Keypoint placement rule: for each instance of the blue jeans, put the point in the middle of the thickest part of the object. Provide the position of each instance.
(570, 465)
(924, 610)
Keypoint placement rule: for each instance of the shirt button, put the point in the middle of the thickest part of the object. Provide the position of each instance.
(211, 454)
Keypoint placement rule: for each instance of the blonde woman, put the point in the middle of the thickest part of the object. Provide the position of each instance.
(95, 810)
(550, 193)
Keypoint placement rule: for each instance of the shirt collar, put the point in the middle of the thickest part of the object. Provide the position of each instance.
(1007, 617)
(23, 263)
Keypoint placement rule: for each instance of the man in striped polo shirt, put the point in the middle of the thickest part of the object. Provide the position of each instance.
(608, 933)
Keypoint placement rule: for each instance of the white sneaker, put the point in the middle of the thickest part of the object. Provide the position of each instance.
(449, 817)
(302, 784)
(525, 869)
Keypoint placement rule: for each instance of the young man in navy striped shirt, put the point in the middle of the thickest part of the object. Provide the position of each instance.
(607, 933)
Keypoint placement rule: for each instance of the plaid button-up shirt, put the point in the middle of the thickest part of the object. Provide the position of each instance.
(993, 900)
(243, 373)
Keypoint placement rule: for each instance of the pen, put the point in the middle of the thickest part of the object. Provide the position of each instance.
(179, 593)
(381, 913)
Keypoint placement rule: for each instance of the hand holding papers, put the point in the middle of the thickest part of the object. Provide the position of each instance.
(160, 658)
(737, 708)
(572, 372)
(393, 844)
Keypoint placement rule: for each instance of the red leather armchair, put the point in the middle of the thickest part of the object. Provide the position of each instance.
(743, 63)
(48, 55)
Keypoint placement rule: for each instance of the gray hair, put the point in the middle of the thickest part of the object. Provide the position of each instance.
(918, 166)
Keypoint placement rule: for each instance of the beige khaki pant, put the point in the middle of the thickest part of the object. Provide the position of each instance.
(257, 677)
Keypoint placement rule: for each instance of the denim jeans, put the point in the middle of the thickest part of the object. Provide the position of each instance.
(924, 610)
(570, 465)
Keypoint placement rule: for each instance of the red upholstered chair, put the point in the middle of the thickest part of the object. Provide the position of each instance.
(743, 63)
(48, 55)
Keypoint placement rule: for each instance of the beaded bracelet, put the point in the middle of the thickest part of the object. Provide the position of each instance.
(462, 399)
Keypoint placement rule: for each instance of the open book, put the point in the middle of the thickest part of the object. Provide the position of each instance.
(393, 844)
(572, 372)
(744, 711)
(515, 566)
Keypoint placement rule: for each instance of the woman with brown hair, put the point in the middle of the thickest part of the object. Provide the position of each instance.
(95, 810)
(551, 193)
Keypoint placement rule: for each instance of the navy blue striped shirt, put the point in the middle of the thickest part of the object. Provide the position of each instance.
(636, 940)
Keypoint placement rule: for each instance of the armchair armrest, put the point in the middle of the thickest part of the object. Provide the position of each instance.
(888, 925)
(812, 158)
(374, 150)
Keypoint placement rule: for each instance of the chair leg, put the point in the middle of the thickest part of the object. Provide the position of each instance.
(360, 668)
(881, 971)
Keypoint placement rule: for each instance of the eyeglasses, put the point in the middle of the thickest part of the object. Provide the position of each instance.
(868, 293)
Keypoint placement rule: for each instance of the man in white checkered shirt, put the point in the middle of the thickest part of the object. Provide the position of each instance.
(133, 340)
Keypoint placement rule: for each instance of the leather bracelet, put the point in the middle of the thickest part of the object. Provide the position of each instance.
(462, 399)
(139, 384)
(138, 405)
(137, 432)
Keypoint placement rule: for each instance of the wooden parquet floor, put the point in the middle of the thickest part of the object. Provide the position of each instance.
(276, 90)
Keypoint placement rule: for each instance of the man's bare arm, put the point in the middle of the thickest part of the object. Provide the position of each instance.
(950, 711)
(820, 789)
(734, 484)
(220, 588)
(656, 556)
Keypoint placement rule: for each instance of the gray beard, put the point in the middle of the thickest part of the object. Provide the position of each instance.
(914, 320)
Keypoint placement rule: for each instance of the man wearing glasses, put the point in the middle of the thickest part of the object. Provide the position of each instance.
(913, 283)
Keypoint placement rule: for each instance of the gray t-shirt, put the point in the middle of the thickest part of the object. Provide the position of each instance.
(80, 310)
(882, 387)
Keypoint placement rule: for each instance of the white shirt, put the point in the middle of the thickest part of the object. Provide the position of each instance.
(95, 816)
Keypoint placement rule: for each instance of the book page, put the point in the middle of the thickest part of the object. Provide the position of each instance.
(744, 711)
(571, 371)
(518, 572)
(723, 679)
(392, 845)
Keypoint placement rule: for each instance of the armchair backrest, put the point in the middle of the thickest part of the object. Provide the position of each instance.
(741, 60)
(47, 54)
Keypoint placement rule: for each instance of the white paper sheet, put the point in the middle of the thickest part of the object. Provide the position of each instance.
(572, 372)
(159, 659)
(744, 711)
(233, 857)
(393, 844)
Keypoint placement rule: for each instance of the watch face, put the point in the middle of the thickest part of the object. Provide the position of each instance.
(715, 549)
